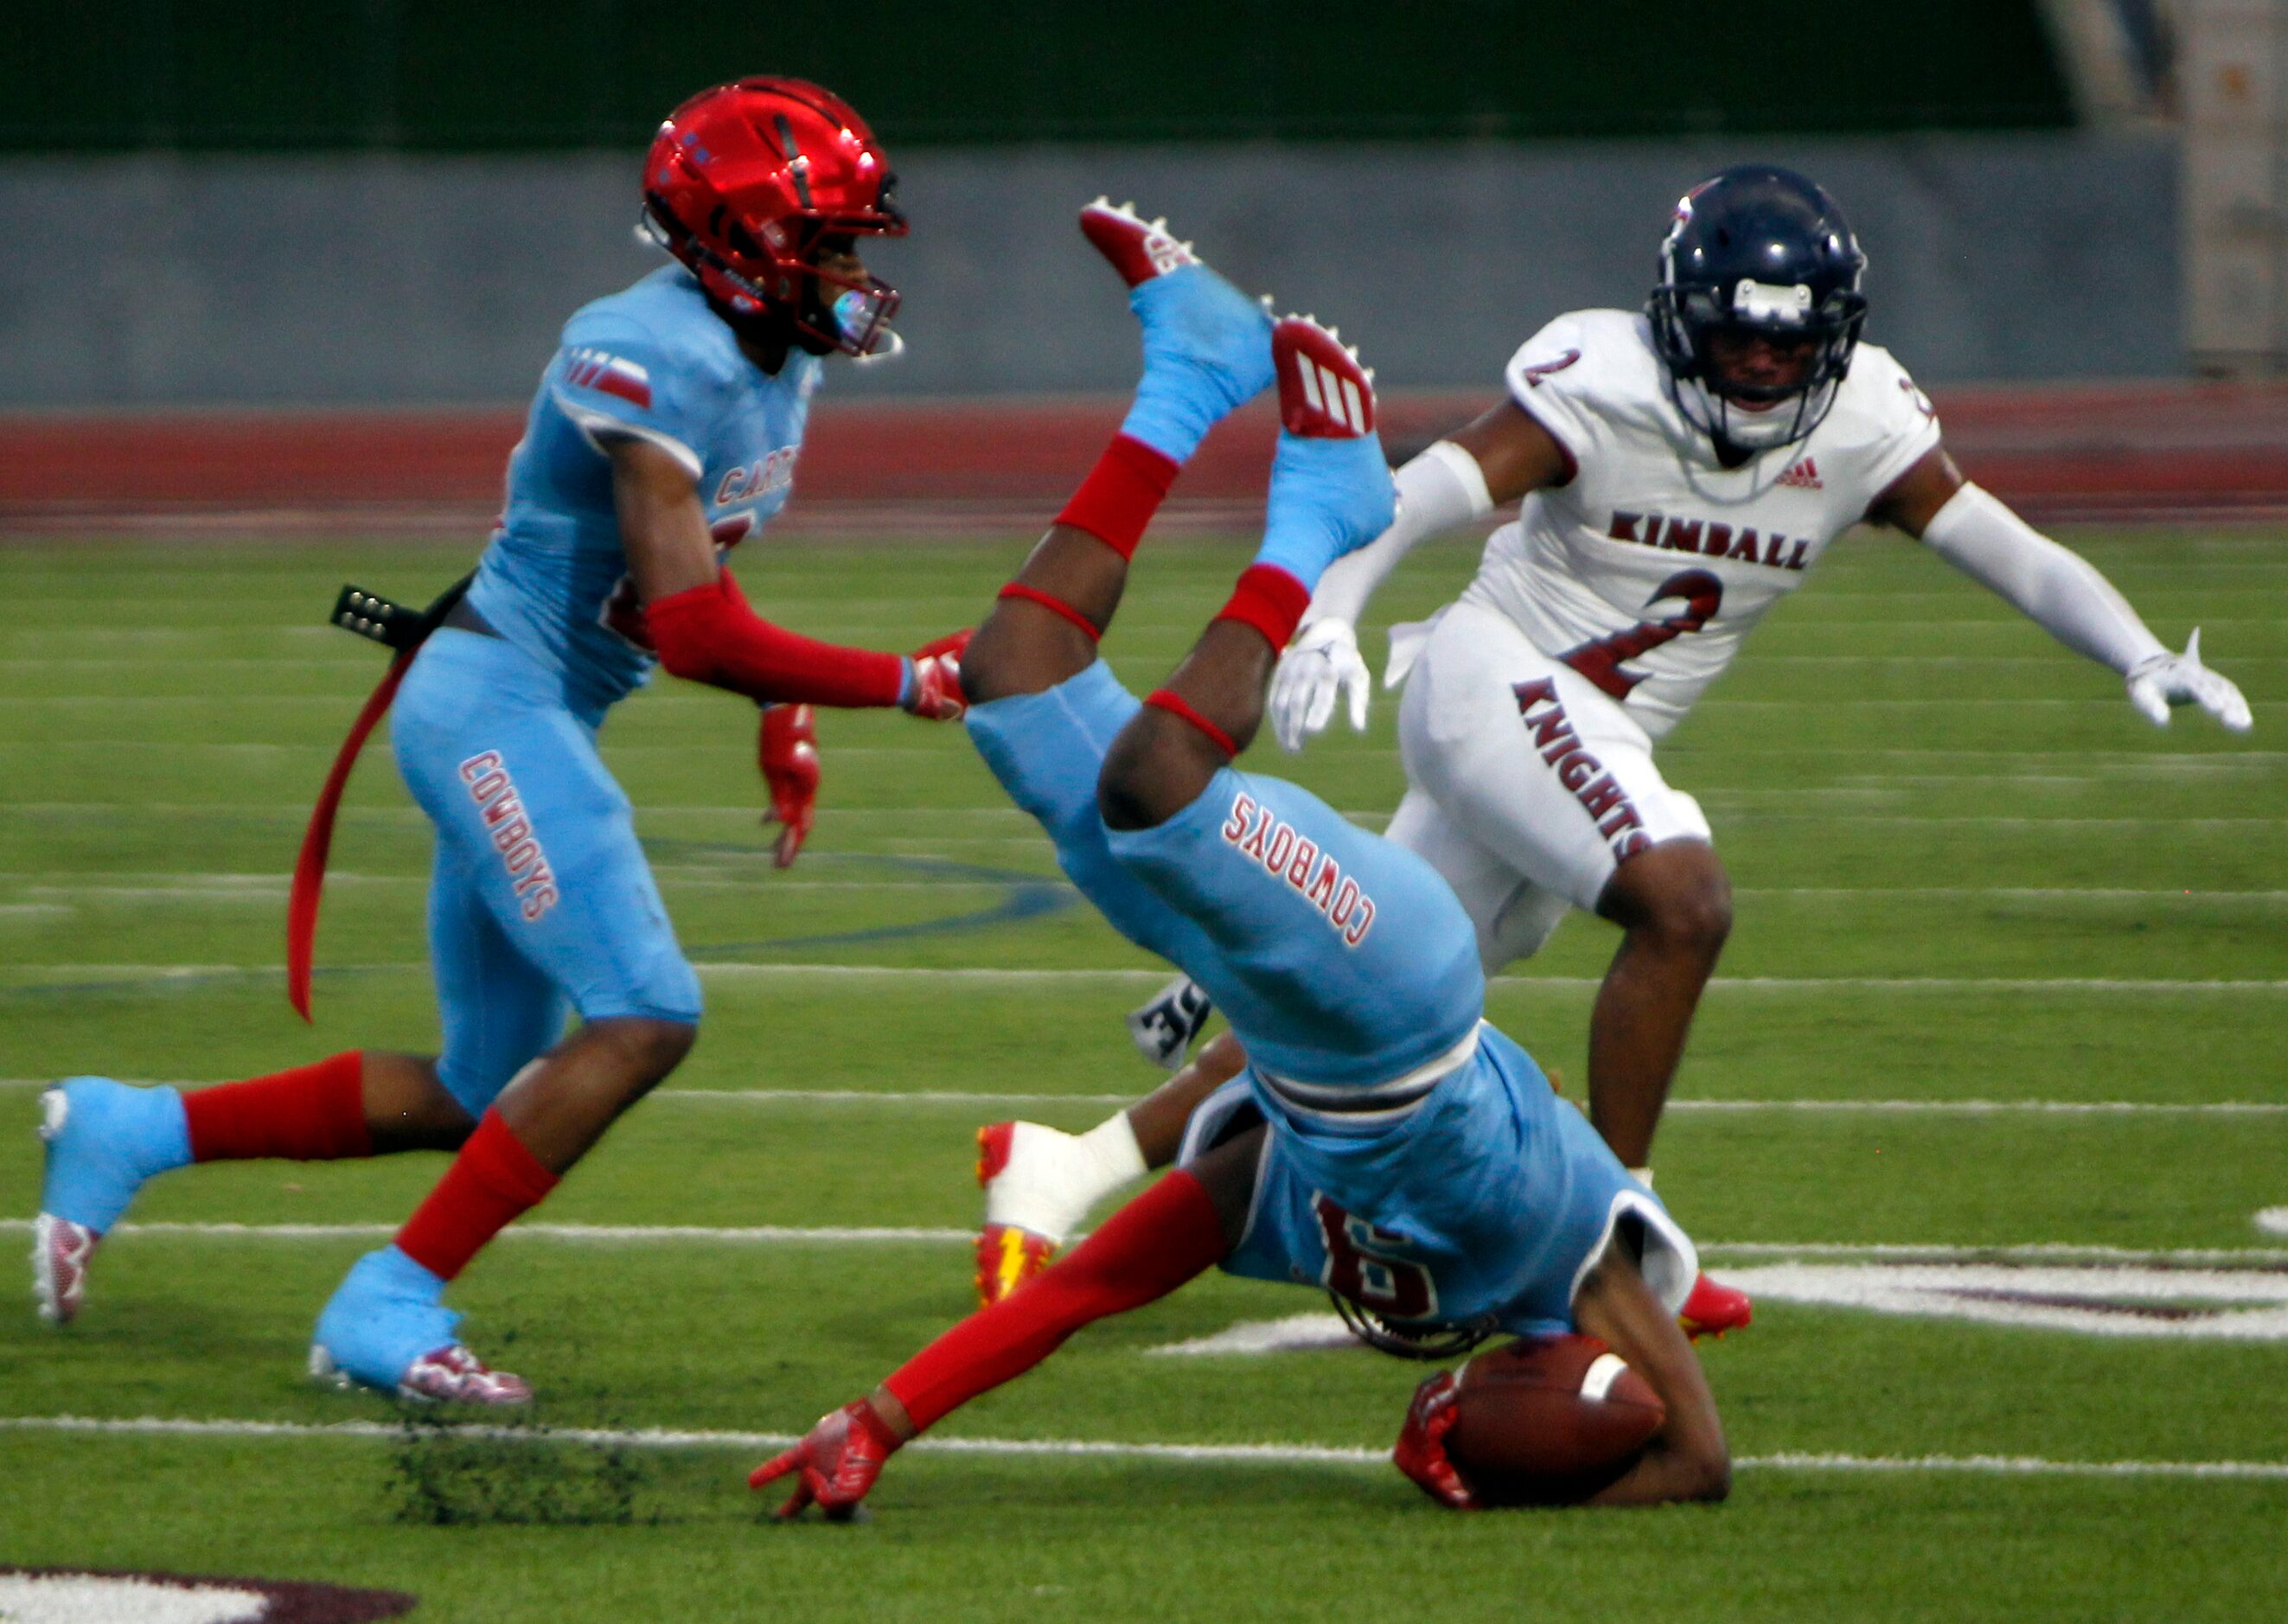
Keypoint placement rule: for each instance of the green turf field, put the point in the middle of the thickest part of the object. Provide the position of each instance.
(1967, 872)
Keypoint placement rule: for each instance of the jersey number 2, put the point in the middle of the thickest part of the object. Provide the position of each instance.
(1359, 1269)
(1601, 660)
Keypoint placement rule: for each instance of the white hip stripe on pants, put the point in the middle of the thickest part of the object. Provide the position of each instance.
(1527, 785)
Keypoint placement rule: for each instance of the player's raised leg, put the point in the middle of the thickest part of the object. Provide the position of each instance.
(1206, 352)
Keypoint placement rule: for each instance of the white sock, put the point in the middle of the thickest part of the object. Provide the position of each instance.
(1642, 1175)
(1053, 1178)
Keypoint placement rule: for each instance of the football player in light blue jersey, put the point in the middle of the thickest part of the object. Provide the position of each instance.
(1383, 1142)
(665, 430)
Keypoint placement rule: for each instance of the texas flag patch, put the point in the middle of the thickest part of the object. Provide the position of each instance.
(591, 369)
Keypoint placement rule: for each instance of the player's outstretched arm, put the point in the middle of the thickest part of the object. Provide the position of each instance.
(1688, 1458)
(700, 623)
(1495, 459)
(2056, 588)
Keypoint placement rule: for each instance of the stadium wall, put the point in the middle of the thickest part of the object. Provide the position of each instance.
(164, 281)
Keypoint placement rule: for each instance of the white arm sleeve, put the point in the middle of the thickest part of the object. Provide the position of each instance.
(2057, 590)
(1442, 487)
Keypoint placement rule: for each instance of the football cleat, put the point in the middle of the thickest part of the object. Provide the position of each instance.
(388, 1328)
(450, 1374)
(1165, 1029)
(1713, 1308)
(60, 1251)
(1420, 1451)
(1205, 353)
(1007, 1258)
(1324, 393)
(1137, 249)
(102, 1141)
(1332, 492)
(1008, 1255)
(838, 1459)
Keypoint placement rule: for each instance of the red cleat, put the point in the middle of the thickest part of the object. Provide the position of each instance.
(1713, 1309)
(1420, 1451)
(1139, 250)
(1324, 393)
(1007, 1256)
(838, 1459)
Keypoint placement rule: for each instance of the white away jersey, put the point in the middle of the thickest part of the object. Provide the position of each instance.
(1645, 568)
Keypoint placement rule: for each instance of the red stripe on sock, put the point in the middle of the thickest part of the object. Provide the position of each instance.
(314, 1113)
(1176, 705)
(493, 1181)
(1270, 599)
(1143, 1251)
(1055, 606)
(1121, 494)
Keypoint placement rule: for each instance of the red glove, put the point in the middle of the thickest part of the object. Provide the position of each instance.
(838, 1459)
(787, 753)
(937, 695)
(1420, 1451)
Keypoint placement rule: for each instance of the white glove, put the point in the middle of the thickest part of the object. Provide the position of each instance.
(1321, 666)
(2160, 681)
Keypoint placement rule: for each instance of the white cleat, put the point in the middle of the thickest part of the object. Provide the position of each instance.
(60, 1251)
(450, 1374)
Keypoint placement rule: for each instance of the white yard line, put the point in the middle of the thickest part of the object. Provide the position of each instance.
(565, 1234)
(1213, 1454)
(989, 975)
(155, 884)
(896, 1100)
(828, 1235)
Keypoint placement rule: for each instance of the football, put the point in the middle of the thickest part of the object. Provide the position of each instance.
(1548, 1421)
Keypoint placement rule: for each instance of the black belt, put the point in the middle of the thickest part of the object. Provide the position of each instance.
(462, 616)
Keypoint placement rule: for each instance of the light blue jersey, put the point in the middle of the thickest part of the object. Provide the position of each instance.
(1417, 1162)
(655, 361)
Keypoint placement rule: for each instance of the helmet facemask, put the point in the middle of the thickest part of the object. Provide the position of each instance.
(781, 299)
(1684, 316)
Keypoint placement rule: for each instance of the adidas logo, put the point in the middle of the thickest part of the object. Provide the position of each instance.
(1803, 476)
(1327, 391)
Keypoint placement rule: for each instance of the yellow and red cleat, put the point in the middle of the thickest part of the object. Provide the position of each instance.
(1007, 1255)
(1713, 1308)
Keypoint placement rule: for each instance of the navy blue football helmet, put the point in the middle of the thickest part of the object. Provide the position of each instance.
(1764, 251)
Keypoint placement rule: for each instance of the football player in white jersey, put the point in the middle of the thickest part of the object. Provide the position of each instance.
(1680, 469)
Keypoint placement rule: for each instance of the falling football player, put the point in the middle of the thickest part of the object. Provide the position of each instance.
(663, 432)
(1682, 468)
(1384, 1142)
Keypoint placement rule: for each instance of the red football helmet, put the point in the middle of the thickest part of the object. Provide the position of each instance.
(745, 184)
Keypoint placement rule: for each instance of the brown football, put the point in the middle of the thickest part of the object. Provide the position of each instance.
(1548, 1421)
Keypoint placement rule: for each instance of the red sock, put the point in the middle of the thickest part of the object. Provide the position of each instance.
(1270, 599)
(493, 1180)
(1146, 1250)
(1121, 494)
(311, 1114)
